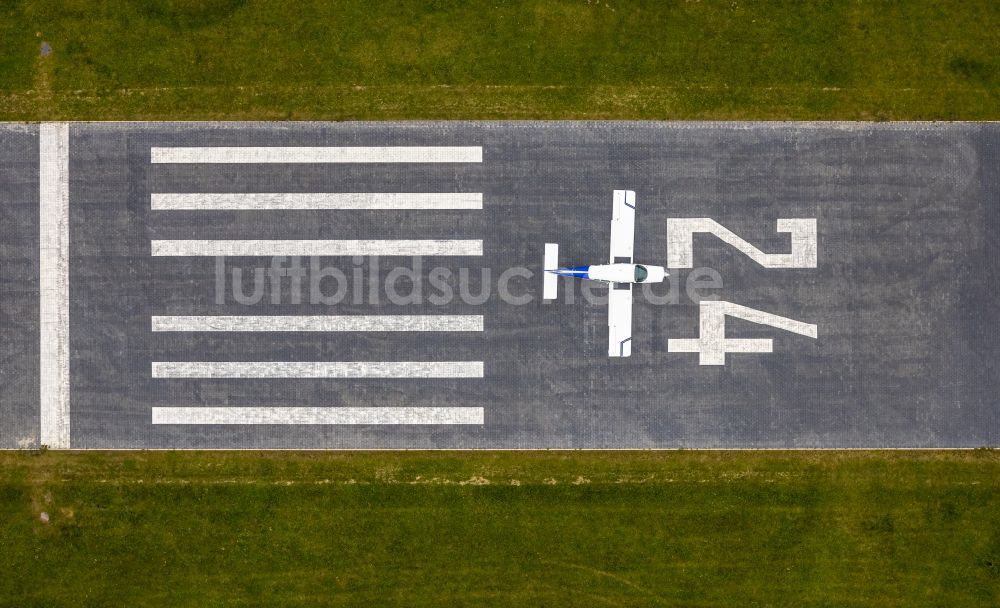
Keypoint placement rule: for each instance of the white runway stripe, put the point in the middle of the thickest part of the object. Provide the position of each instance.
(53, 265)
(345, 369)
(357, 154)
(317, 415)
(320, 323)
(214, 248)
(294, 201)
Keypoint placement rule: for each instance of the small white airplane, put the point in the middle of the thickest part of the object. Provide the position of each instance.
(621, 273)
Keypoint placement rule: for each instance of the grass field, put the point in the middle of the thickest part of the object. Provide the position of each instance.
(501, 529)
(448, 59)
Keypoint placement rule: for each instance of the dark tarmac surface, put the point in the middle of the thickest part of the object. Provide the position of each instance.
(905, 294)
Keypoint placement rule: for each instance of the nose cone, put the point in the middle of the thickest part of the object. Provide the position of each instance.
(656, 274)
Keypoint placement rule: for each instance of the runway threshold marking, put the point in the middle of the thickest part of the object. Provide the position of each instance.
(311, 369)
(318, 415)
(53, 266)
(309, 154)
(263, 323)
(298, 201)
(284, 201)
(250, 248)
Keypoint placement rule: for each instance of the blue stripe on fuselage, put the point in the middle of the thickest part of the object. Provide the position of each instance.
(580, 272)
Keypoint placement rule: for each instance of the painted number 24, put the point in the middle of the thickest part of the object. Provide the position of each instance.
(712, 343)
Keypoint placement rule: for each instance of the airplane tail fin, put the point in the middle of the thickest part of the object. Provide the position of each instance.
(550, 283)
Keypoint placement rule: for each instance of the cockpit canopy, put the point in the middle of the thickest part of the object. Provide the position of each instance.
(640, 273)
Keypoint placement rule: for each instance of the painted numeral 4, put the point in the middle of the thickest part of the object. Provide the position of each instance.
(712, 343)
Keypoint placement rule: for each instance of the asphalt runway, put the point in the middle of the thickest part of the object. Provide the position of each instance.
(130, 350)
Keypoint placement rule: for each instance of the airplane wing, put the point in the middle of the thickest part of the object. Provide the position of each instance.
(623, 227)
(619, 321)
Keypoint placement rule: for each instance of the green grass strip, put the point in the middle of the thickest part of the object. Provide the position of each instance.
(501, 59)
(486, 529)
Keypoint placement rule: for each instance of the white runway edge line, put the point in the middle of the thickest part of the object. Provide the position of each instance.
(262, 323)
(53, 265)
(305, 154)
(318, 415)
(304, 248)
(304, 201)
(299, 369)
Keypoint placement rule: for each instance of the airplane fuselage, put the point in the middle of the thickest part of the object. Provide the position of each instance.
(615, 273)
